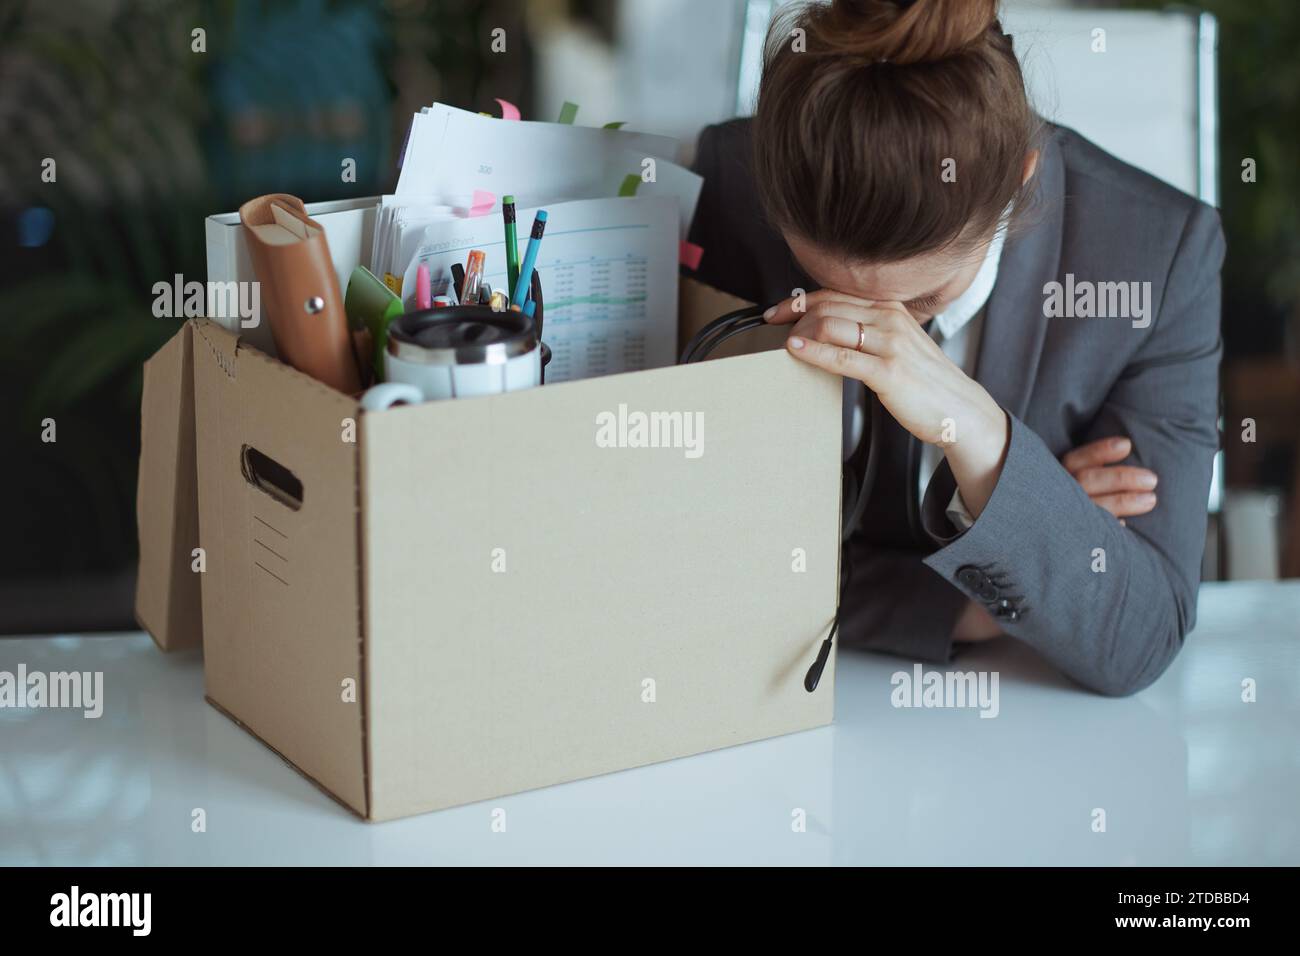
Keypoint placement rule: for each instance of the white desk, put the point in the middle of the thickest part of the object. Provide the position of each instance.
(1186, 772)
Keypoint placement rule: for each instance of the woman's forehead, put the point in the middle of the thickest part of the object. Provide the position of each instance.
(889, 281)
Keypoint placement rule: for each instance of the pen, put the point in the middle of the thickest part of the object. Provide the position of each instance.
(530, 260)
(512, 242)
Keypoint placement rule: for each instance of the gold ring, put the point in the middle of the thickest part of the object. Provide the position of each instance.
(862, 336)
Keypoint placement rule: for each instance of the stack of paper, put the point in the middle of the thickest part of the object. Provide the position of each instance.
(608, 262)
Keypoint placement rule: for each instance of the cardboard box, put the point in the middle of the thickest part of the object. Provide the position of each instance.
(443, 603)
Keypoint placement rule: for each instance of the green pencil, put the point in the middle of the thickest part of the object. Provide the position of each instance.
(512, 247)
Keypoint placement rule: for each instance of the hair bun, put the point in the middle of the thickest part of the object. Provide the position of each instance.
(899, 31)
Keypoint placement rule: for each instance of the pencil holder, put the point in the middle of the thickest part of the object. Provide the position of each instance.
(457, 351)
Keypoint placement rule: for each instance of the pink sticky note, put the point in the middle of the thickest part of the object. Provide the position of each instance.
(508, 110)
(688, 254)
(482, 203)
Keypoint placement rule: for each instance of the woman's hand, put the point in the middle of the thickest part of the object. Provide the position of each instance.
(975, 624)
(1123, 490)
(882, 345)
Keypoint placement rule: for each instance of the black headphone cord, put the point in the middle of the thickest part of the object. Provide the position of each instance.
(814, 675)
(743, 320)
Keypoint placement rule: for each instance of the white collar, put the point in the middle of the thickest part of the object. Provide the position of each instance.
(967, 305)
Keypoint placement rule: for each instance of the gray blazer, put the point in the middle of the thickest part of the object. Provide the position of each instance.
(1033, 558)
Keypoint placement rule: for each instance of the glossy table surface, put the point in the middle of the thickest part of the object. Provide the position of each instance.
(1186, 772)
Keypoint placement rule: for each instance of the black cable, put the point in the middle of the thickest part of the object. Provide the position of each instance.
(724, 334)
(814, 675)
(693, 346)
(870, 466)
(744, 320)
(719, 330)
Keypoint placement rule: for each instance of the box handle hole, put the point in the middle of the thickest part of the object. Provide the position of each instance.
(268, 475)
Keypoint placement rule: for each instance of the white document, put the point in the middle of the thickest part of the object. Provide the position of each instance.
(451, 153)
(394, 218)
(676, 182)
(608, 272)
(401, 227)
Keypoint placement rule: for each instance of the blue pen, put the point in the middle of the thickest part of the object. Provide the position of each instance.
(530, 260)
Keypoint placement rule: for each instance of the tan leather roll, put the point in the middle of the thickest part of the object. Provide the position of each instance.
(299, 291)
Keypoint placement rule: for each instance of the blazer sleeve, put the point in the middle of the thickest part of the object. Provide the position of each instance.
(1108, 604)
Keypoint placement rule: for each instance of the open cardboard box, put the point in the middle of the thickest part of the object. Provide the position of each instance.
(437, 604)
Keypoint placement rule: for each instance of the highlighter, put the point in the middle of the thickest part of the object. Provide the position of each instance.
(423, 290)
(473, 277)
(512, 243)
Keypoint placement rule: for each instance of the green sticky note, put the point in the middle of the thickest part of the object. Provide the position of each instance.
(568, 113)
(628, 186)
(619, 125)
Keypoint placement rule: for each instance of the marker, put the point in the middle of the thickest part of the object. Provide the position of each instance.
(512, 242)
(473, 276)
(423, 291)
(530, 260)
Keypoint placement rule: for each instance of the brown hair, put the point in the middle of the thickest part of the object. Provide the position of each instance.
(854, 126)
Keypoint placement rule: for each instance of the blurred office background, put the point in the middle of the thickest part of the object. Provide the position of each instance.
(149, 136)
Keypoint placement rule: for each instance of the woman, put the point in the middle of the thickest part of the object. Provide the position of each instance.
(1039, 320)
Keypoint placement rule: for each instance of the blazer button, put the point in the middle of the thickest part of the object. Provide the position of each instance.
(1006, 609)
(970, 577)
(988, 592)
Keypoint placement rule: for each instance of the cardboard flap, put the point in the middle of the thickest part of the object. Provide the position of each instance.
(167, 594)
(217, 343)
(277, 476)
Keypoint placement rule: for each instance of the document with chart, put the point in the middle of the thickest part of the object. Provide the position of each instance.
(609, 279)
